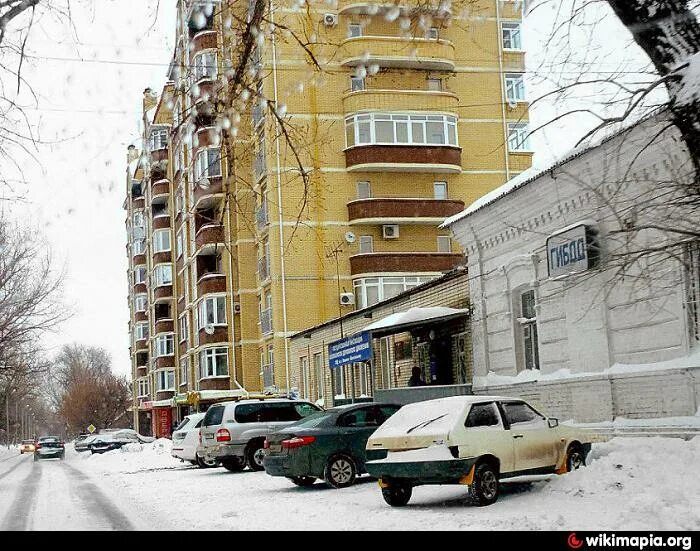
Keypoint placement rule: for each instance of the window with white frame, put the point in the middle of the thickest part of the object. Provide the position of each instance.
(357, 84)
(511, 36)
(179, 243)
(205, 65)
(144, 388)
(515, 87)
(139, 247)
(518, 137)
(164, 345)
(364, 190)
(528, 330)
(140, 302)
(318, 372)
(371, 290)
(305, 374)
(211, 311)
(208, 163)
(444, 244)
(138, 220)
(401, 129)
(183, 327)
(213, 362)
(140, 274)
(158, 138)
(161, 241)
(165, 380)
(366, 244)
(338, 375)
(141, 331)
(163, 275)
(184, 371)
(440, 190)
(354, 30)
(179, 200)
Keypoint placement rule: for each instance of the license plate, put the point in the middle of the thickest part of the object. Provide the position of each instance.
(275, 448)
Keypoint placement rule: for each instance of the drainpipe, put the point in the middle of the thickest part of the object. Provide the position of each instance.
(279, 203)
(503, 88)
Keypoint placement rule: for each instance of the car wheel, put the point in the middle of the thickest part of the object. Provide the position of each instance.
(340, 471)
(397, 494)
(233, 464)
(484, 486)
(206, 463)
(303, 481)
(255, 453)
(575, 458)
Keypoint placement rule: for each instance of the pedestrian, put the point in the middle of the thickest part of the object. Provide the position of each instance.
(416, 377)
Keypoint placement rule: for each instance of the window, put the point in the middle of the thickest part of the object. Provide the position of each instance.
(528, 328)
(396, 128)
(361, 418)
(179, 243)
(140, 302)
(139, 247)
(138, 219)
(366, 244)
(214, 416)
(141, 331)
(158, 138)
(305, 382)
(357, 84)
(518, 137)
(165, 380)
(139, 274)
(164, 345)
(433, 33)
(213, 362)
(435, 84)
(179, 200)
(318, 370)
(371, 290)
(691, 264)
(163, 275)
(338, 378)
(183, 328)
(510, 33)
(143, 388)
(520, 412)
(208, 164)
(161, 241)
(364, 190)
(440, 190)
(354, 30)
(211, 311)
(184, 371)
(515, 87)
(205, 65)
(483, 415)
(444, 244)
(272, 412)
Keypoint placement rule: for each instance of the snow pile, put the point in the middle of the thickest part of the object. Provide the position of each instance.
(414, 315)
(134, 457)
(665, 422)
(690, 88)
(4, 452)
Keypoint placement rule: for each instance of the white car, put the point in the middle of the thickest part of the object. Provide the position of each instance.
(186, 440)
(471, 440)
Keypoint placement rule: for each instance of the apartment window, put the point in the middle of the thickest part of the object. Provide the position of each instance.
(164, 345)
(435, 84)
(205, 65)
(515, 87)
(528, 330)
(339, 382)
(161, 241)
(139, 274)
(510, 33)
(139, 247)
(213, 362)
(211, 311)
(357, 84)
(165, 380)
(138, 219)
(364, 190)
(318, 370)
(444, 244)
(433, 33)
(208, 163)
(371, 290)
(183, 327)
(404, 129)
(179, 200)
(366, 244)
(140, 302)
(440, 190)
(176, 115)
(354, 30)
(179, 243)
(144, 389)
(141, 331)
(163, 275)
(305, 382)
(184, 371)
(158, 138)
(518, 137)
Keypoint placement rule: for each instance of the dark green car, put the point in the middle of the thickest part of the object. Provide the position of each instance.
(328, 445)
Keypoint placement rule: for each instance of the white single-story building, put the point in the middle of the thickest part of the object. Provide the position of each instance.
(584, 281)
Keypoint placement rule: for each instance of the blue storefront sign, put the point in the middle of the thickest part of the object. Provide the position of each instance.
(355, 348)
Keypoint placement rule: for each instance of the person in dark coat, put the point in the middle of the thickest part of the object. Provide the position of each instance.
(416, 378)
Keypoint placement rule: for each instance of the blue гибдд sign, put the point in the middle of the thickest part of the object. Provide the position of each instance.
(355, 348)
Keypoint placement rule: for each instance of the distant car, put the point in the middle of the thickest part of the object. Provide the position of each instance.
(328, 445)
(186, 439)
(26, 446)
(471, 440)
(79, 442)
(103, 443)
(233, 433)
(49, 447)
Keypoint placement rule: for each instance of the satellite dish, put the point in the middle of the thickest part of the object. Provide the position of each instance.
(350, 237)
(204, 183)
(209, 329)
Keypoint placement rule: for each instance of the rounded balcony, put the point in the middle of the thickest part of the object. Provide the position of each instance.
(164, 326)
(140, 288)
(216, 383)
(163, 292)
(203, 40)
(158, 155)
(164, 394)
(404, 158)
(138, 202)
(201, 93)
(165, 362)
(211, 283)
(159, 188)
(397, 52)
(141, 316)
(161, 222)
(139, 259)
(209, 236)
(142, 371)
(141, 345)
(402, 211)
(204, 197)
(219, 335)
(400, 100)
(206, 136)
(411, 262)
(160, 258)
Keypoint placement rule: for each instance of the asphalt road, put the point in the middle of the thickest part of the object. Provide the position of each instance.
(54, 494)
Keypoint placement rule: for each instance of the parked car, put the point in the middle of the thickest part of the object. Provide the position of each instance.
(328, 445)
(79, 442)
(186, 440)
(105, 442)
(129, 434)
(233, 433)
(26, 446)
(48, 447)
(471, 440)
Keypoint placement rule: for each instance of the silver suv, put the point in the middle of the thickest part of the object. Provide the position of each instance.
(233, 433)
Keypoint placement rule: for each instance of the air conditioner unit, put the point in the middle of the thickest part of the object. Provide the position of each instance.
(347, 299)
(236, 307)
(330, 19)
(390, 231)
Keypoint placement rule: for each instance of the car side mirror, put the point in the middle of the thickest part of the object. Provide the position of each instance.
(553, 422)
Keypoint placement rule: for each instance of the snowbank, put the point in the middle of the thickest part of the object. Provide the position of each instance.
(133, 458)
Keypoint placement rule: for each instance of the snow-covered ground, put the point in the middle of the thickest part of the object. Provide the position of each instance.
(630, 483)
(5, 452)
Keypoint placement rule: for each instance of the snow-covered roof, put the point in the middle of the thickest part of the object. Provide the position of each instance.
(415, 315)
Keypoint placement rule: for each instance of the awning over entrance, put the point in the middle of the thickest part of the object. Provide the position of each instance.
(412, 318)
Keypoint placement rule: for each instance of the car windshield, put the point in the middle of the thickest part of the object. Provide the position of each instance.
(183, 423)
(27, 441)
(316, 419)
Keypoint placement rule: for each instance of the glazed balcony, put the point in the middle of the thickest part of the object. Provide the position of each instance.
(404, 158)
(403, 211)
(411, 262)
(262, 219)
(209, 237)
(400, 100)
(397, 52)
(263, 268)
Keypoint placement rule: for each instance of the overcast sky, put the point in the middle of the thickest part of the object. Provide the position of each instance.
(89, 83)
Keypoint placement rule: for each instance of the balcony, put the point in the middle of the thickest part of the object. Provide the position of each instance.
(411, 262)
(164, 394)
(164, 326)
(141, 371)
(400, 100)
(211, 283)
(205, 197)
(158, 155)
(161, 221)
(397, 52)
(263, 268)
(204, 39)
(141, 345)
(218, 383)
(163, 292)
(266, 321)
(140, 316)
(209, 237)
(402, 211)
(219, 335)
(404, 158)
(261, 217)
(159, 189)
(163, 362)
